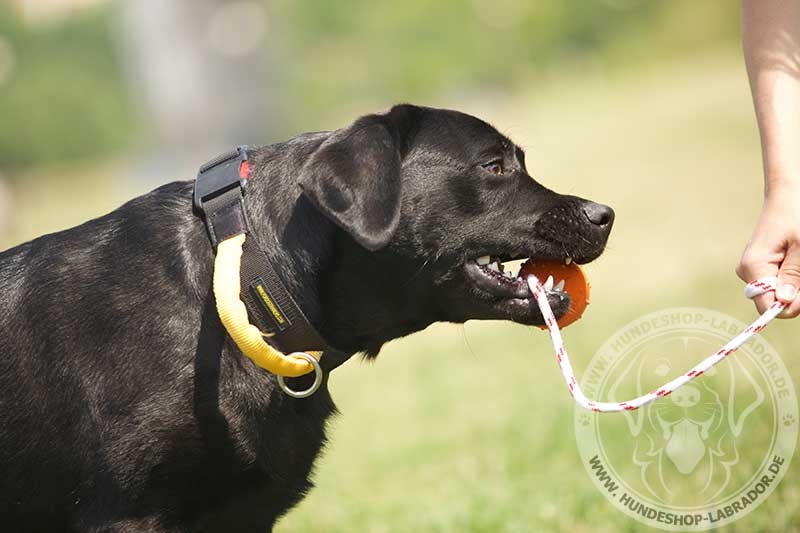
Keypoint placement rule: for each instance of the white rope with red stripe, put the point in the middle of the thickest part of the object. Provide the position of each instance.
(753, 289)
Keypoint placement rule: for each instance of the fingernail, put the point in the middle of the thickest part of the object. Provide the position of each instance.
(787, 292)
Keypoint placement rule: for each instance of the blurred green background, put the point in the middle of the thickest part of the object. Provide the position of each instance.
(643, 105)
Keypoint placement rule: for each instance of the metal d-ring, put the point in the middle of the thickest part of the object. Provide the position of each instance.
(317, 377)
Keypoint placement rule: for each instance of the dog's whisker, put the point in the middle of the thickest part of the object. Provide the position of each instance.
(466, 340)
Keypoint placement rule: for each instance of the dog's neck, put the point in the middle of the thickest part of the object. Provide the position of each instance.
(293, 234)
(344, 290)
(389, 302)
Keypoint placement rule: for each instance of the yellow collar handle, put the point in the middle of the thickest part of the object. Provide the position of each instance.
(233, 314)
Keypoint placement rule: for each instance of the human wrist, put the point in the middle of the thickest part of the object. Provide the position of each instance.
(781, 183)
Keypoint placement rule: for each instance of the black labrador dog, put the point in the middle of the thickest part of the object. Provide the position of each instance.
(124, 405)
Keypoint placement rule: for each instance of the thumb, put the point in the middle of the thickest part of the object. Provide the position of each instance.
(789, 282)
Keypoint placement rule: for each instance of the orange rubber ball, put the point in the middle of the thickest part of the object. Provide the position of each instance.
(576, 284)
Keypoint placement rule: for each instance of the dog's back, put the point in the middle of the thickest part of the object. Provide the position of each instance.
(75, 304)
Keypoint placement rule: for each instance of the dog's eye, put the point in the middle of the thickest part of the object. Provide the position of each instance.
(495, 167)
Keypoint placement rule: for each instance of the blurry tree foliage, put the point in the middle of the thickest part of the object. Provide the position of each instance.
(66, 98)
(394, 51)
(64, 95)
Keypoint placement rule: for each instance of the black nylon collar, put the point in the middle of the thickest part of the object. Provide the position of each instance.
(219, 196)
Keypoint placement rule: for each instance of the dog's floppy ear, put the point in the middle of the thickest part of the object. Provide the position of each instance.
(354, 177)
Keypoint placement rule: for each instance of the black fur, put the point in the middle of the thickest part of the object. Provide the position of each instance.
(124, 406)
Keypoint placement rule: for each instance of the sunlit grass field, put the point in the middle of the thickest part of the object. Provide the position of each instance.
(469, 428)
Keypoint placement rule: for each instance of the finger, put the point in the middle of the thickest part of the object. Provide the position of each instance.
(792, 311)
(764, 301)
(744, 267)
(757, 263)
(789, 281)
(752, 266)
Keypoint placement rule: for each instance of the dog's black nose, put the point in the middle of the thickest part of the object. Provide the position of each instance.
(598, 214)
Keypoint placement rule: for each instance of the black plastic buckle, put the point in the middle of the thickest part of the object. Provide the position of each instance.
(220, 175)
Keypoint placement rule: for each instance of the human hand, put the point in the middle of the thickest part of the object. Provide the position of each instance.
(774, 249)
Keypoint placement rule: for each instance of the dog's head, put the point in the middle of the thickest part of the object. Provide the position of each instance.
(430, 201)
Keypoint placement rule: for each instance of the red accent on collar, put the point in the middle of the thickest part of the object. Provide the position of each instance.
(244, 170)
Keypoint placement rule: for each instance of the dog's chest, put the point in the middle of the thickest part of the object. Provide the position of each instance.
(261, 457)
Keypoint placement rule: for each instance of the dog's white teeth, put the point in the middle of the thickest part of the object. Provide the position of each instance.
(494, 267)
(568, 260)
(484, 260)
(549, 283)
(559, 286)
(508, 274)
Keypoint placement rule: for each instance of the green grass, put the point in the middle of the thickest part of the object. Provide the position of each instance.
(469, 428)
